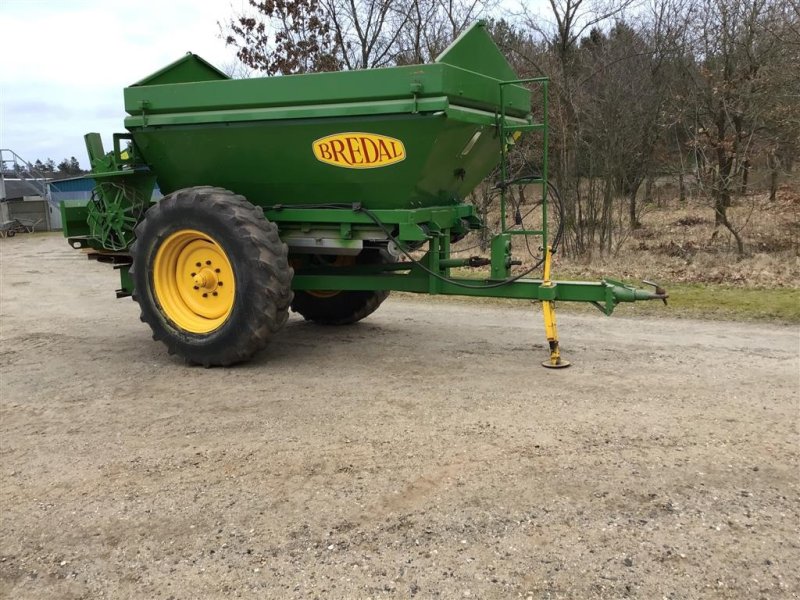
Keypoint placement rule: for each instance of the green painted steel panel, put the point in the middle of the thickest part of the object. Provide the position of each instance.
(274, 139)
(466, 73)
(462, 87)
(273, 162)
(272, 113)
(189, 68)
(475, 50)
(73, 218)
(606, 293)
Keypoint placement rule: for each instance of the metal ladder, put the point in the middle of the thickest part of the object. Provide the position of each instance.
(33, 179)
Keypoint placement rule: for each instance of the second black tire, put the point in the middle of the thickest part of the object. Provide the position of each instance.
(345, 307)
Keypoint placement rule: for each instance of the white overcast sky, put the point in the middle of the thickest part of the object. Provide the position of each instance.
(65, 63)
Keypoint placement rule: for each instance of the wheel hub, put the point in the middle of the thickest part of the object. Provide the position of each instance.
(206, 279)
(193, 281)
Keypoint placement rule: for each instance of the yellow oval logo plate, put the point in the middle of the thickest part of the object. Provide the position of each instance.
(358, 150)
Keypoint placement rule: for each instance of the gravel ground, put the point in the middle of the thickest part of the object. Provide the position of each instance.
(421, 453)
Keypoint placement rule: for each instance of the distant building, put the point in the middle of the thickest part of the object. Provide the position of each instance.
(78, 188)
(22, 199)
(21, 189)
(72, 188)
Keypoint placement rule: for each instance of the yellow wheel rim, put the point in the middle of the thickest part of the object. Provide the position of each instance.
(323, 293)
(339, 261)
(193, 281)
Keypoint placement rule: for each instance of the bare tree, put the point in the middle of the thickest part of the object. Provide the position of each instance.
(781, 116)
(283, 37)
(236, 69)
(732, 94)
(561, 61)
(365, 31)
(287, 36)
(431, 25)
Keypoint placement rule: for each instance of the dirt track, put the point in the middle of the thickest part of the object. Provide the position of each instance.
(420, 453)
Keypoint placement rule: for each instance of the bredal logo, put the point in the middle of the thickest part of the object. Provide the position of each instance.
(357, 150)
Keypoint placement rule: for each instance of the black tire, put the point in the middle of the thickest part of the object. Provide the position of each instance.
(346, 307)
(259, 261)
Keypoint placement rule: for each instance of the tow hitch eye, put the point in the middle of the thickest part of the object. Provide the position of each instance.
(658, 292)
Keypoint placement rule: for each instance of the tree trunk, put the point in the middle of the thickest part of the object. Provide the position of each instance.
(681, 189)
(773, 177)
(648, 190)
(722, 179)
(745, 176)
(485, 200)
(633, 217)
(520, 204)
(722, 219)
(521, 194)
(722, 196)
(720, 208)
(607, 216)
(632, 211)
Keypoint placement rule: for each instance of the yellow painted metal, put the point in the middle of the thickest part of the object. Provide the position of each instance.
(323, 293)
(548, 263)
(549, 313)
(193, 281)
(340, 260)
(359, 150)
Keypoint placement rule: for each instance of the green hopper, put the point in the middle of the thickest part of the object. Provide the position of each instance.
(317, 193)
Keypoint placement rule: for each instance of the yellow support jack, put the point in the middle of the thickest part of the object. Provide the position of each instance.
(549, 313)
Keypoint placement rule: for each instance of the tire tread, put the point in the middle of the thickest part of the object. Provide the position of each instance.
(268, 268)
